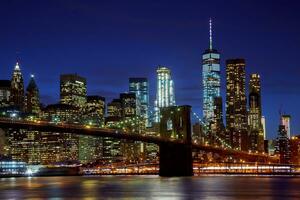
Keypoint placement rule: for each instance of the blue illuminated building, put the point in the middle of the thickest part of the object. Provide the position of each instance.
(140, 87)
(211, 76)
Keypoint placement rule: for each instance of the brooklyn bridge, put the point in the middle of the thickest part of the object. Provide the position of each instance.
(175, 143)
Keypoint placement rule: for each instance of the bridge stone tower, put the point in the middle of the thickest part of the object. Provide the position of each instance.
(176, 158)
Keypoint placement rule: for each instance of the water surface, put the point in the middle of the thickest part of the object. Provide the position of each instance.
(150, 187)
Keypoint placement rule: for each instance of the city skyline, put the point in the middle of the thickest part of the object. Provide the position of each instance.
(274, 96)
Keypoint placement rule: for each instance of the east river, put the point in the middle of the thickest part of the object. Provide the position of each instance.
(150, 187)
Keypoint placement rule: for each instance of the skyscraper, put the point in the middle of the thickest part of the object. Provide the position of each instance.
(256, 137)
(32, 97)
(73, 90)
(94, 110)
(17, 88)
(129, 108)
(236, 112)
(4, 93)
(140, 87)
(114, 109)
(263, 122)
(282, 147)
(211, 79)
(112, 146)
(217, 125)
(286, 122)
(165, 95)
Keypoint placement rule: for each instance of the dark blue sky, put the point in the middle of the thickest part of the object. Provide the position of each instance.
(109, 41)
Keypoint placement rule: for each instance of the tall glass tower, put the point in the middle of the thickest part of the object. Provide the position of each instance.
(140, 87)
(165, 95)
(211, 79)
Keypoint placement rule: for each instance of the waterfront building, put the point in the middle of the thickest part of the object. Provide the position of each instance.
(140, 87)
(131, 151)
(4, 93)
(286, 122)
(165, 94)
(32, 100)
(36, 147)
(295, 149)
(73, 90)
(282, 147)
(17, 88)
(256, 132)
(111, 146)
(91, 148)
(211, 79)
(236, 112)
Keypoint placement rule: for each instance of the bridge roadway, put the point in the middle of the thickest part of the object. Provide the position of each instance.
(114, 133)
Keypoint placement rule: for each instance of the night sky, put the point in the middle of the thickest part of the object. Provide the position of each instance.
(109, 41)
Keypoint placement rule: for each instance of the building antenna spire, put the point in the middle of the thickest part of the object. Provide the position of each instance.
(210, 34)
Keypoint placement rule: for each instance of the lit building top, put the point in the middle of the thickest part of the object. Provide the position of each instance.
(17, 88)
(165, 88)
(165, 95)
(73, 90)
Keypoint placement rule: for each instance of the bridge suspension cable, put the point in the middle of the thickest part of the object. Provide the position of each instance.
(223, 142)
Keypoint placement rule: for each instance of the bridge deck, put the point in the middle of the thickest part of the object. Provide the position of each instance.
(114, 133)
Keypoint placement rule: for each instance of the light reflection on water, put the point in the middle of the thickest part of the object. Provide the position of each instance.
(150, 187)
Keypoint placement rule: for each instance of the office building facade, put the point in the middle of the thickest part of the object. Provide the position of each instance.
(32, 103)
(4, 93)
(140, 87)
(236, 111)
(73, 90)
(256, 132)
